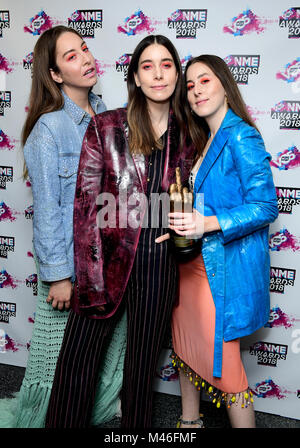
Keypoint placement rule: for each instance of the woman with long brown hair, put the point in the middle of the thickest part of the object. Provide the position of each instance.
(60, 107)
(224, 292)
(128, 159)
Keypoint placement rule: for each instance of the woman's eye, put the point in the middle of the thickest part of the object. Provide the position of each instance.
(189, 86)
(204, 80)
(146, 66)
(167, 65)
(71, 57)
(85, 48)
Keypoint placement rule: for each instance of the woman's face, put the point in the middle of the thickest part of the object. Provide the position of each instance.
(76, 64)
(156, 74)
(205, 93)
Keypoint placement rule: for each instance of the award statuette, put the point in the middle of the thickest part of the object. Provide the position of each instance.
(181, 200)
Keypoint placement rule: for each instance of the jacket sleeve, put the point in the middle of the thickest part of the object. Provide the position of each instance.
(88, 257)
(259, 206)
(41, 157)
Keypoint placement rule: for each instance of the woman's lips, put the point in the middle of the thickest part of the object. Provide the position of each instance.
(200, 102)
(90, 73)
(158, 87)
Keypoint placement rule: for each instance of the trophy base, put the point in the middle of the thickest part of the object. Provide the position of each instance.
(186, 249)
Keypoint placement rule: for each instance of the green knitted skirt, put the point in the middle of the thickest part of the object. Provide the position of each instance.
(28, 408)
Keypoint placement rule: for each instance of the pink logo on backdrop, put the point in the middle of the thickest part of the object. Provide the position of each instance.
(280, 319)
(6, 213)
(4, 64)
(268, 389)
(245, 23)
(284, 240)
(137, 23)
(168, 373)
(6, 142)
(256, 113)
(291, 72)
(7, 343)
(38, 24)
(7, 281)
(287, 159)
(101, 67)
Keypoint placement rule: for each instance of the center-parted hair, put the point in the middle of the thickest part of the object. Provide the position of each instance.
(141, 134)
(198, 128)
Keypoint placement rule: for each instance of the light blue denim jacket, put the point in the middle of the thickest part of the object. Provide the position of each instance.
(52, 153)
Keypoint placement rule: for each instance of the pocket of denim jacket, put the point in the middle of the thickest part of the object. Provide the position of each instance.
(67, 171)
(68, 165)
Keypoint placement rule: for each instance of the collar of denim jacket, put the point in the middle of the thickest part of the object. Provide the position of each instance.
(77, 113)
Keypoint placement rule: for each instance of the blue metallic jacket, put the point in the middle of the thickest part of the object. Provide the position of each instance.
(236, 180)
(52, 153)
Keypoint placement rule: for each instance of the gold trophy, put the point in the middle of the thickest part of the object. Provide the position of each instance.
(181, 200)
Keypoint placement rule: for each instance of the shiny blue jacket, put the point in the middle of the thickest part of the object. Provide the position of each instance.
(237, 186)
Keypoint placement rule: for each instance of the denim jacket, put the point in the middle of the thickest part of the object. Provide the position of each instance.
(236, 181)
(52, 153)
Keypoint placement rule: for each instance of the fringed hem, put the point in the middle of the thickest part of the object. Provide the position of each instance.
(217, 396)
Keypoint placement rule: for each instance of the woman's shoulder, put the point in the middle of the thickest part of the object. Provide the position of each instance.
(111, 118)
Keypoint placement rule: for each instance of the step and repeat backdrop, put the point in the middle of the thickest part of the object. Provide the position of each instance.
(260, 43)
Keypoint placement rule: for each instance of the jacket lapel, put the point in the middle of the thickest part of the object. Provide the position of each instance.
(213, 153)
(216, 147)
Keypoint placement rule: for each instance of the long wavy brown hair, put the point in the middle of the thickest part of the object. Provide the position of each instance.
(198, 128)
(45, 95)
(141, 134)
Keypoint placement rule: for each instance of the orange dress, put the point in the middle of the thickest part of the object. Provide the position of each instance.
(193, 329)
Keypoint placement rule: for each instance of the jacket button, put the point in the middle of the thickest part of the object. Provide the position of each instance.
(213, 274)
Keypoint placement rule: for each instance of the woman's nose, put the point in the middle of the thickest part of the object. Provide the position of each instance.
(158, 73)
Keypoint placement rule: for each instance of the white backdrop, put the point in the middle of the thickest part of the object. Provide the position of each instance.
(260, 42)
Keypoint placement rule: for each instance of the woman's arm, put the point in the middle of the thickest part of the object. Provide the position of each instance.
(41, 156)
(87, 235)
(252, 164)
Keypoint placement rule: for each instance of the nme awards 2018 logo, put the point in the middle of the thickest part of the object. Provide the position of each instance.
(288, 113)
(7, 310)
(245, 23)
(4, 21)
(280, 278)
(287, 159)
(32, 282)
(122, 64)
(7, 244)
(268, 353)
(86, 21)
(291, 19)
(28, 61)
(5, 101)
(241, 66)
(6, 175)
(186, 22)
(38, 24)
(287, 197)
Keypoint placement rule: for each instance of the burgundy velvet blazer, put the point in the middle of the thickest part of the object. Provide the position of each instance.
(111, 179)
